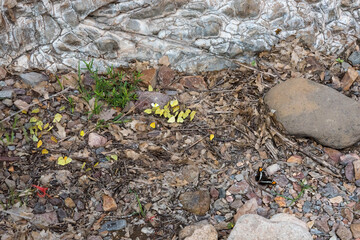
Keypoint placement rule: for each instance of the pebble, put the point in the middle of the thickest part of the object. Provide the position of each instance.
(239, 188)
(357, 169)
(236, 204)
(334, 155)
(239, 177)
(250, 206)
(61, 214)
(220, 204)
(165, 76)
(196, 202)
(99, 150)
(337, 199)
(344, 233)
(214, 193)
(109, 203)
(222, 193)
(69, 203)
(322, 224)
(7, 102)
(272, 169)
(44, 220)
(307, 207)
(33, 78)
(295, 159)
(148, 230)
(354, 58)
(6, 94)
(39, 208)
(113, 225)
(96, 140)
(329, 210)
(355, 229)
(219, 218)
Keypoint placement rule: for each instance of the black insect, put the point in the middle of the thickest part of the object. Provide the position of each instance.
(262, 178)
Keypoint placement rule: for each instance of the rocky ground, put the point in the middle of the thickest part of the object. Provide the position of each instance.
(147, 178)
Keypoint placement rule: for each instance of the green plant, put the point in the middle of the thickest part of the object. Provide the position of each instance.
(59, 82)
(253, 63)
(303, 186)
(230, 225)
(141, 210)
(72, 104)
(9, 139)
(339, 60)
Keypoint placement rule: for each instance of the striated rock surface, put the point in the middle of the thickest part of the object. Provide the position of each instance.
(280, 226)
(194, 35)
(309, 109)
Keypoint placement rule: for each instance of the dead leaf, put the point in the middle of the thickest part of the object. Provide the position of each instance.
(349, 78)
(61, 130)
(107, 115)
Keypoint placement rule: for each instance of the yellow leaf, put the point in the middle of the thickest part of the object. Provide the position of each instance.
(150, 89)
(158, 111)
(96, 164)
(152, 125)
(82, 133)
(181, 114)
(39, 124)
(24, 111)
(36, 110)
(180, 120)
(44, 151)
(53, 139)
(46, 126)
(83, 165)
(176, 108)
(50, 128)
(64, 160)
(62, 108)
(192, 115)
(148, 111)
(114, 156)
(171, 119)
(166, 113)
(39, 144)
(57, 117)
(33, 119)
(211, 137)
(88, 169)
(174, 103)
(34, 138)
(186, 114)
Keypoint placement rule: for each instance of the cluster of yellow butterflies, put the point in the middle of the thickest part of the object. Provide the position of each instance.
(171, 111)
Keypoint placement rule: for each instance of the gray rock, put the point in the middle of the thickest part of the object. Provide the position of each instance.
(33, 78)
(309, 109)
(113, 225)
(354, 58)
(6, 94)
(280, 226)
(196, 35)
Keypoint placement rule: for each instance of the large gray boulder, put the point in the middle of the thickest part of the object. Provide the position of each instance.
(196, 35)
(281, 226)
(309, 109)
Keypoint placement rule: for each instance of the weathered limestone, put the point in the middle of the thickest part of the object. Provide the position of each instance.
(196, 35)
(309, 109)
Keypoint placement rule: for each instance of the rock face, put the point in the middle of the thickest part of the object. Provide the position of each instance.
(195, 35)
(280, 226)
(309, 109)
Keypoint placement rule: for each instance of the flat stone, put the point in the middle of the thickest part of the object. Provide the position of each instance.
(109, 203)
(193, 82)
(45, 220)
(20, 104)
(113, 225)
(309, 109)
(196, 202)
(333, 154)
(355, 229)
(165, 76)
(322, 224)
(6, 94)
(250, 206)
(96, 140)
(148, 77)
(295, 159)
(354, 58)
(239, 188)
(207, 232)
(280, 226)
(344, 233)
(33, 78)
(349, 172)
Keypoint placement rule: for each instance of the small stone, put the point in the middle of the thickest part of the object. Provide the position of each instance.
(349, 172)
(33, 78)
(272, 169)
(199, 230)
(281, 180)
(355, 229)
(55, 201)
(322, 224)
(10, 183)
(193, 82)
(39, 208)
(250, 206)
(337, 199)
(214, 193)
(80, 205)
(351, 157)
(96, 140)
(109, 203)
(236, 204)
(2, 73)
(148, 230)
(6, 94)
(148, 77)
(357, 183)
(229, 199)
(165, 76)
(239, 188)
(357, 169)
(21, 105)
(295, 159)
(329, 210)
(344, 233)
(334, 155)
(69, 203)
(44, 220)
(93, 237)
(348, 214)
(307, 206)
(220, 204)
(239, 177)
(196, 202)
(9, 82)
(354, 58)
(113, 225)
(61, 214)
